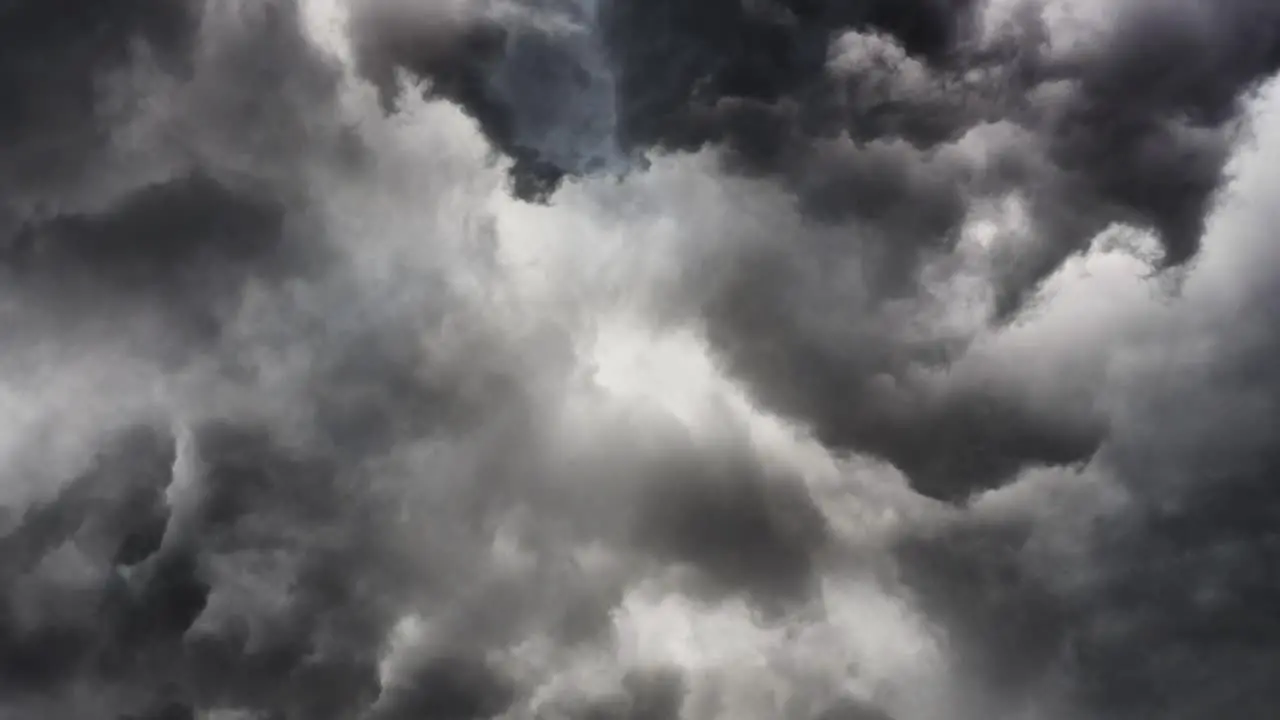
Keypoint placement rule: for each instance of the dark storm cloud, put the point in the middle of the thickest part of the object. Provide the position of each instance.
(151, 162)
(1134, 134)
(459, 49)
(1138, 135)
(267, 513)
(115, 515)
(1131, 127)
(329, 478)
(154, 605)
(180, 248)
(446, 687)
(742, 530)
(1007, 625)
(1181, 618)
(860, 386)
(672, 61)
(52, 57)
(893, 122)
(1181, 621)
(1164, 609)
(108, 587)
(1160, 605)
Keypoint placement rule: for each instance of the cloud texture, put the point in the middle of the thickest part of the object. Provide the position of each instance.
(639, 360)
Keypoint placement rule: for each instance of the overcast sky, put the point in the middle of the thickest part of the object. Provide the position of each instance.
(639, 359)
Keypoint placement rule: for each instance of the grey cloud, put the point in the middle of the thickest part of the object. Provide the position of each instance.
(891, 124)
(1156, 604)
(54, 55)
(378, 404)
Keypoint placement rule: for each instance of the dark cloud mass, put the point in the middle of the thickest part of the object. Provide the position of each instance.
(890, 121)
(638, 359)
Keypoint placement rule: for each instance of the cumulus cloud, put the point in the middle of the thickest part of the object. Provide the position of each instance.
(643, 360)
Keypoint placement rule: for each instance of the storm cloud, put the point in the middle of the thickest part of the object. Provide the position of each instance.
(638, 360)
(899, 129)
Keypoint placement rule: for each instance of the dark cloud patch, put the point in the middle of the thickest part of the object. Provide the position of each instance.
(853, 710)
(1165, 613)
(146, 614)
(1179, 617)
(1131, 163)
(1005, 624)
(1137, 133)
(119, 504)
(1169, 616)
(682, 75)
(744, 531)
(872, 115)
(164, 710)
(179, 250)
(966, 442)
(861, 388)
(1161, 607)
(264, 509)
(52, 57)
(180, 185)
(149, 604)
(1136, 136)
(454, 48)
(160, 235)
(1145, 131)
(1180, 620)
(1098, 154)
(651, 694)
(459, 53)
(655, 694)
(447, 687)
(1132, 129)
(60, 558)
(675, 58)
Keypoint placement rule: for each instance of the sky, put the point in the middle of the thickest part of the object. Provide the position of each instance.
(639, 359)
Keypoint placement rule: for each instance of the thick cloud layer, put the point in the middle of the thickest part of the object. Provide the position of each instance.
(638, 360)
(899, 128)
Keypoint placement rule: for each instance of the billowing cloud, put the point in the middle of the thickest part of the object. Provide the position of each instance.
(643, 360)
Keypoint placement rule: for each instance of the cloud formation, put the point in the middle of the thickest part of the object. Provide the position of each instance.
(637, 360)
(902, 130)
